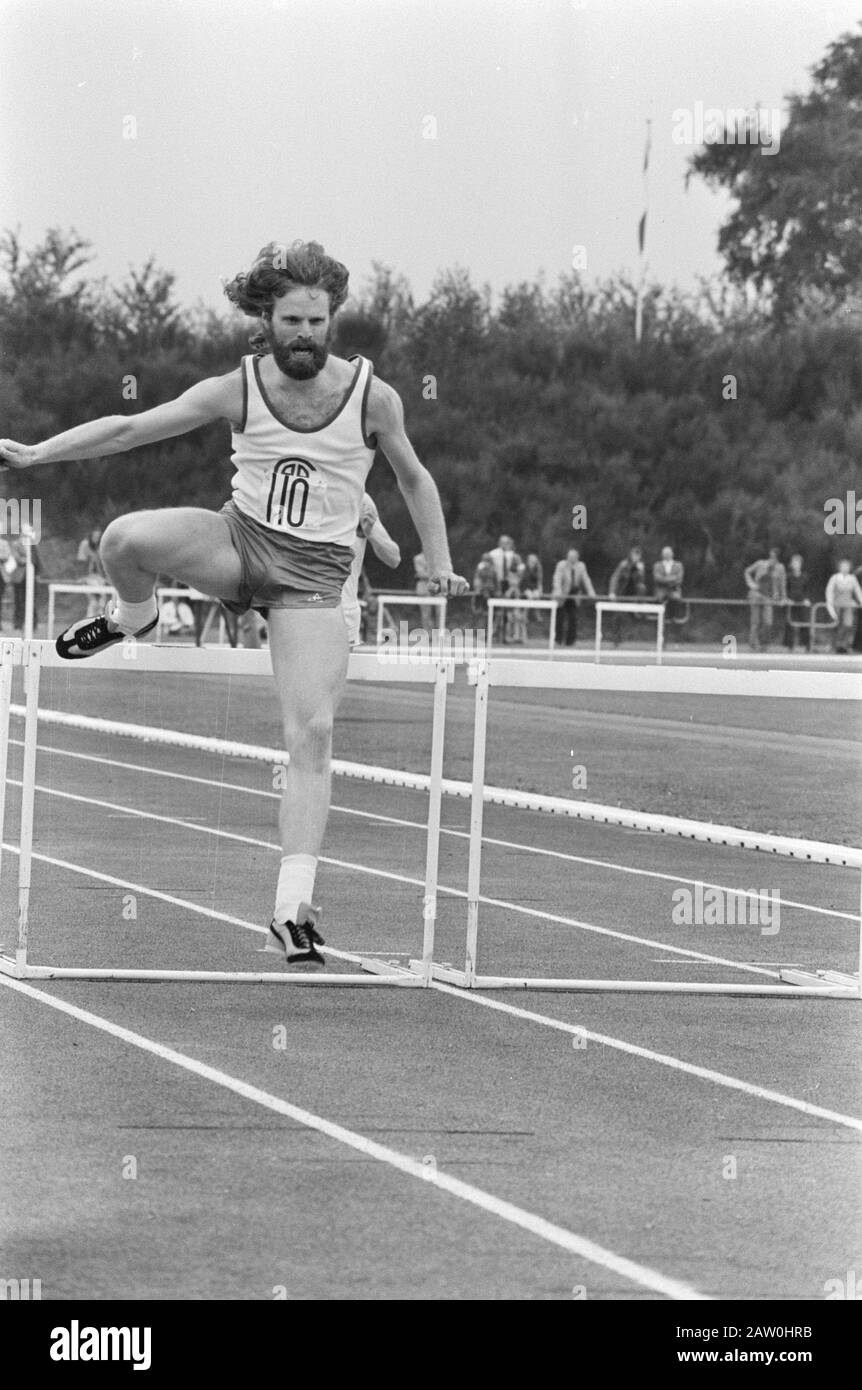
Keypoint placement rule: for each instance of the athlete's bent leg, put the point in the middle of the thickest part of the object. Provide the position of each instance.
(189, 543)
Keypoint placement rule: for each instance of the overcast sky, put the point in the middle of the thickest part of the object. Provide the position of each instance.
(275, 119)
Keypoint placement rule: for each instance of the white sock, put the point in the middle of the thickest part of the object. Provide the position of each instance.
(131, 617)
(295, 885)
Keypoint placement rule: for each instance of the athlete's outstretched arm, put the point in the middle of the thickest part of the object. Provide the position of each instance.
(386, 420)
(209, 400)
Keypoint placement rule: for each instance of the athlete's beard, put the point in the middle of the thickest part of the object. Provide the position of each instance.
(299, 367)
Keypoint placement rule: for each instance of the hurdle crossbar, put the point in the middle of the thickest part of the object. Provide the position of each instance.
(536, 674)
(33, 656)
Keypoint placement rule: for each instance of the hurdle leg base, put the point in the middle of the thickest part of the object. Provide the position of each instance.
(389, 965)
(808, 979)
(812, 989)
(400, 979)
(446, 974)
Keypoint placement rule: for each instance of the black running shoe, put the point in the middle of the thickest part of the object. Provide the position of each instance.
(88, 636)
(296, 941)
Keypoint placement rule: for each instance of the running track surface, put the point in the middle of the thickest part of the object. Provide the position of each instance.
(380, 1144)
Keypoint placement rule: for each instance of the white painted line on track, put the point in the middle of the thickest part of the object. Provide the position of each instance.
(616, 1044)
(174, 901)
(535, 913)
(537, 1226)
(647, 1054)
(395, 821)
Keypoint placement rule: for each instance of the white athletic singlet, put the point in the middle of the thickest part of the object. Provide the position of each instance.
(303, 483)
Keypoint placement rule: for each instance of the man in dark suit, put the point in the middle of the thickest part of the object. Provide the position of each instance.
(570, 580)
(798, 610)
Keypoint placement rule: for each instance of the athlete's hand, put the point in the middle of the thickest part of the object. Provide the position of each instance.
(447, 584)
(13, 455)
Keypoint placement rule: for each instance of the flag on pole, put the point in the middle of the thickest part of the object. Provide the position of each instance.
(642, 223)
(642, 240)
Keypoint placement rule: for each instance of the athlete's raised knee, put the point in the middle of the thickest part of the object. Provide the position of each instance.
(121, 539)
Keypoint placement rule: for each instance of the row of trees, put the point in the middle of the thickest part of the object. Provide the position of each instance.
(721, 433)
(726, 430)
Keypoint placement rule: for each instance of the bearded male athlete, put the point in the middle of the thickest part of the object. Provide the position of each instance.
(305, 427)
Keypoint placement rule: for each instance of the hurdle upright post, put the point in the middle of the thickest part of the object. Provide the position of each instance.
(32, 667)
(860, 935)
(477, 807)
(29, 588)
(435, 798)
(7, 654)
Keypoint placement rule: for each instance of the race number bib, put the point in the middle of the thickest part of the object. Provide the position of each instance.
(296, 496)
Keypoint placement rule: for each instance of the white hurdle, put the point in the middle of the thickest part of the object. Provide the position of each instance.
(529, 605)
(437, 601)
(131, 656)
(793, 983)
(653, 610)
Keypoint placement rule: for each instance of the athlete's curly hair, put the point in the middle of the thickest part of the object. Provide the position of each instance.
(278, 268)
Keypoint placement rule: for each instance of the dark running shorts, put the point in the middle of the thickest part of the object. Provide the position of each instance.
(284, 571)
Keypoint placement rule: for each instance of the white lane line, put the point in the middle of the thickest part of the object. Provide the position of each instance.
(174, 901)
(648, 1055)
(535, 913)
(612, 867)
(537, 1226)
(617, 1044)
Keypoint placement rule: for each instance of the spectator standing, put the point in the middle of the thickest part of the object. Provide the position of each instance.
(504, 559)
(368, 619)
(798, 608)
(628, 581)
(857, 641)
(516, 627)
(532, 583)
(91, 570)
(8, 565)
(767, 586)
(667, 577)
(506, 562)
(532, 577)
(843, 597)
(18, 547)
(485, 585)
(570, 580)
(371, 529)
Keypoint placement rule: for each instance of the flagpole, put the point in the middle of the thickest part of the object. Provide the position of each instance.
(639, 302)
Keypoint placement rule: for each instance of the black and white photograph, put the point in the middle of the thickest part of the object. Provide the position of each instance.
(430, 671)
